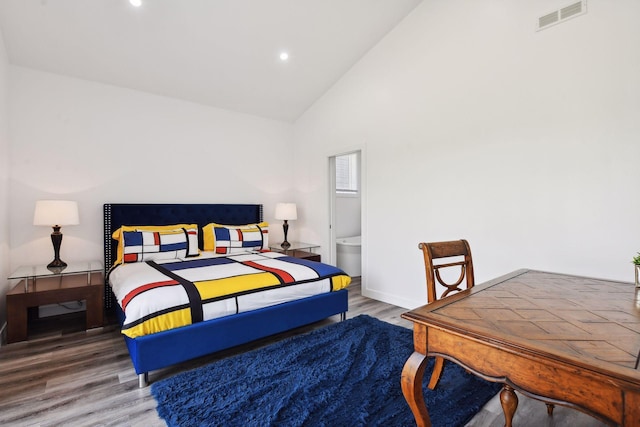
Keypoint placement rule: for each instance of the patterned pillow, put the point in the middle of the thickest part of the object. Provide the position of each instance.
(141, 246)
(233, 239)
(190, 229)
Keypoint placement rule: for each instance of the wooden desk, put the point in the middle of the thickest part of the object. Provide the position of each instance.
(563, 339)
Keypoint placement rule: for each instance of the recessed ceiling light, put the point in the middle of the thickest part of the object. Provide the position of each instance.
(136, 3)
(284, 56)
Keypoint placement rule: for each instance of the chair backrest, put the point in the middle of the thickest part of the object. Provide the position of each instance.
(435, 250)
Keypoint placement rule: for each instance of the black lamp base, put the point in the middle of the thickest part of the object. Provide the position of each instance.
(57, 263)
(56, 239)
(285, 227)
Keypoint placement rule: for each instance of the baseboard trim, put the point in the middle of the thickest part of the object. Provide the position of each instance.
(387, 298)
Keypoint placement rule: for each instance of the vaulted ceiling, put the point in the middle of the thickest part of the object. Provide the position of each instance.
(222, 53)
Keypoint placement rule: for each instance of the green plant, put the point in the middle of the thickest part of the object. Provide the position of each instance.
(636, 259)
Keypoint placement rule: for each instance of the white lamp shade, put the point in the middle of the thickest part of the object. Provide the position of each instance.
(56, 212)
(286, 211)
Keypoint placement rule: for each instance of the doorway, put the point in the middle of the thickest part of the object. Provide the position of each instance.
(346, 215)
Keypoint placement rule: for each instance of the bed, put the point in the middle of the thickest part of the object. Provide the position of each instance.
(150, 350)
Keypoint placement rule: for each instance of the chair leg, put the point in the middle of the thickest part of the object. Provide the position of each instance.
(550, 407)
(437, 372)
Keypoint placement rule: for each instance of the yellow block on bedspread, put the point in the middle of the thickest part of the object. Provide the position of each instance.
(232, 285)
(162, 322)
(340, 282)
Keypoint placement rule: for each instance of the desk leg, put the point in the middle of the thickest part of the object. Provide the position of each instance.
(412, 375)
(509, 401)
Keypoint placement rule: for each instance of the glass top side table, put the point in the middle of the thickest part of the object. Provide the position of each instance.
(295, 246)
(34, 272)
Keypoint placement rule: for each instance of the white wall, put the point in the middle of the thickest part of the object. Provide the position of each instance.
(4, 180)
(471, 124)
(84, 141)
(476, 126)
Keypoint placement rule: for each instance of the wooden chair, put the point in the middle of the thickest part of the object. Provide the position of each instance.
(436, 250)
(452, 250)
(455, 248)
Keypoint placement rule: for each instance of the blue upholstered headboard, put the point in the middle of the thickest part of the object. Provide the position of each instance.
(118, 214)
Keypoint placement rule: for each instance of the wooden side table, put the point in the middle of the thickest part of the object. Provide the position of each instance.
(37, 290)
(297, 253)
(298, 250)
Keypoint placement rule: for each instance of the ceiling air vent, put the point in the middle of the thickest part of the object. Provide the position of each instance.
(562, 14)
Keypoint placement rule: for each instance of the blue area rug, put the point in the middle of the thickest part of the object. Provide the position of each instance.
(345, 374)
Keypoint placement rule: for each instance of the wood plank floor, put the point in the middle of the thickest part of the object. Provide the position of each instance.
(60, 377)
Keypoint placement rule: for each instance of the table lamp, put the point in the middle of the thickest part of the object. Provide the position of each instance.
(286, 212)
(56, 213)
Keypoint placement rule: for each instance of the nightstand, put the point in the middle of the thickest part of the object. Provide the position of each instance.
(39, 286)
(298, 250)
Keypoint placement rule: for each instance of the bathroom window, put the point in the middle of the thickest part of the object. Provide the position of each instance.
(347, 174)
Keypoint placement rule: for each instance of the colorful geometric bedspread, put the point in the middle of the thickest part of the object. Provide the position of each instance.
(161, 295)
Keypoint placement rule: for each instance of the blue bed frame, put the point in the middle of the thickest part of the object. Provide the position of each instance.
(170, 347)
